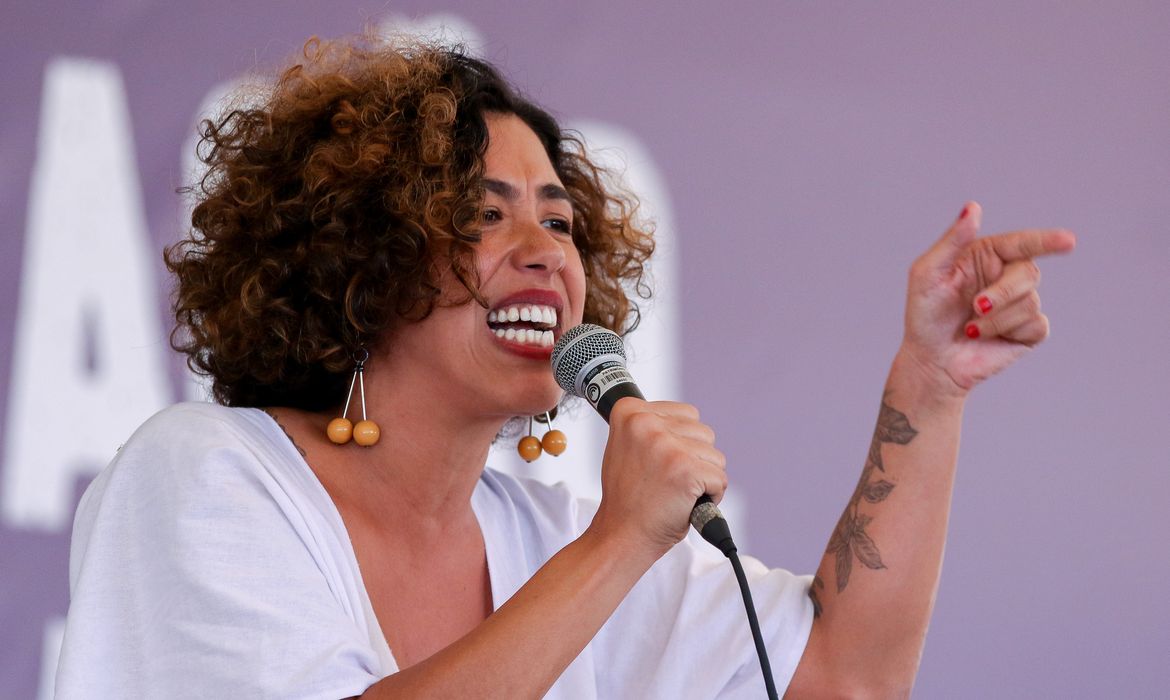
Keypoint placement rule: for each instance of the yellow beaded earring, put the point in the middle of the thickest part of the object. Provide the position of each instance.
(554, 441)
(366, 432)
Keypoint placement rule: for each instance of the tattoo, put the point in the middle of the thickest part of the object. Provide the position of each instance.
(285, 431)
(816, 599)
(849, 538)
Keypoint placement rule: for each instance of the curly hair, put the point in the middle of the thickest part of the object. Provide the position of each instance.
(329, 213)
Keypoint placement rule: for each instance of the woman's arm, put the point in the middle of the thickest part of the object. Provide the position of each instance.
(659, 458)
(972, 310)
(875, 587)
(523, 647)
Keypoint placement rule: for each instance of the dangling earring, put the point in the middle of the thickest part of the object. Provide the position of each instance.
(529, 447)
(554, 441)
(366, 432)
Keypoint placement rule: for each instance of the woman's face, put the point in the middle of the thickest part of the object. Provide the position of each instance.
(496, 360)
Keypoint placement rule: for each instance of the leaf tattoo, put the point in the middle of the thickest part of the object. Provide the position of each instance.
(849, 539)
(812, 593)
(844, 567)
(876, 493)
(875, 453)
(866, 550)
(893, 426)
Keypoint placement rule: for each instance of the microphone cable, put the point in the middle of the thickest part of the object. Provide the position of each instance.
(712, 526)
(757, 636)
(590, 362)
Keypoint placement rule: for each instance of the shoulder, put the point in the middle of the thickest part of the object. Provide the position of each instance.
(208, 544)
(196, 471)
(183, 433)
(184, 444)
(191, 423)
(191, 453)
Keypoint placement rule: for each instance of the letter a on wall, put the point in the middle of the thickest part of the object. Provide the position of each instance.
(89, 349)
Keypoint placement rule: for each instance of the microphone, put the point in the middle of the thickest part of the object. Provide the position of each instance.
(590, 362)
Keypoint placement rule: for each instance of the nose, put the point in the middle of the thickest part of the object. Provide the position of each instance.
(538, 249)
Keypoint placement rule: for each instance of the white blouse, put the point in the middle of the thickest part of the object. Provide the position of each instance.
(209, 562)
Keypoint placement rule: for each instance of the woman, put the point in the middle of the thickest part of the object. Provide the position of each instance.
(362, 240)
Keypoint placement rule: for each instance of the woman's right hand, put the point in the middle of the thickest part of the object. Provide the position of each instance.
(660, 458)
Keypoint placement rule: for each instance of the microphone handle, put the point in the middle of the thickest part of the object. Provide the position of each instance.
(705, 516)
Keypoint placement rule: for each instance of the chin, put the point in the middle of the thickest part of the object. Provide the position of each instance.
(536, 399)
(546, 403)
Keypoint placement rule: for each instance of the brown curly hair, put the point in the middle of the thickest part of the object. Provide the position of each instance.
(328, 214)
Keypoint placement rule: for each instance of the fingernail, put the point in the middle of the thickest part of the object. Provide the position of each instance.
(972, 331)
(963, 214)
(984, 305)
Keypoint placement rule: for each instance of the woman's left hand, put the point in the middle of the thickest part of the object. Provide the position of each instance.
(972, 304)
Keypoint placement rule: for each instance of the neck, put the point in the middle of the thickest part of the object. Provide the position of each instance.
(430, 454)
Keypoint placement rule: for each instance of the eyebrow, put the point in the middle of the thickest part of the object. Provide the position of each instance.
(510, 193)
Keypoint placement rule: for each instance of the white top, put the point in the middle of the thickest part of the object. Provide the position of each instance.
(209, 562)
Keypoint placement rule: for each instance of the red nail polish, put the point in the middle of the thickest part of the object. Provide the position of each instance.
(963, 214)
(984, 305)
(972, 331)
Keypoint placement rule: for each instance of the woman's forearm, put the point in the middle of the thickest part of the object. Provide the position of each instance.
(876, 584)
(658, 459)
(522, 648)
(972, 310)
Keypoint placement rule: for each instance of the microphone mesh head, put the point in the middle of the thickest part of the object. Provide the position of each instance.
(577, 347)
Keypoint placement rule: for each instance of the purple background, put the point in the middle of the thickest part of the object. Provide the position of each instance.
(811, 152)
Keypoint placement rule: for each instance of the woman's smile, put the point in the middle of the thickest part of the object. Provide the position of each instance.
(527, 322)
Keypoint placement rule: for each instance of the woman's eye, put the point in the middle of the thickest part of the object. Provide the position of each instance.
(491, 215)
(559, 225)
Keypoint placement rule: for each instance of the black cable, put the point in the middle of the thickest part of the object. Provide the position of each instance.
(590, 361)
(711, 524)
(755, 624)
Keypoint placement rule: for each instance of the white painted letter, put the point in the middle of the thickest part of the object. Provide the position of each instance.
(89, 348)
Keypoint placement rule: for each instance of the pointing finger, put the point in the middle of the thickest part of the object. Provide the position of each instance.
(1021, 245)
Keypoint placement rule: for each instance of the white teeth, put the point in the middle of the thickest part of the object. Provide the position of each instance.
(542, 315)
(526, 336)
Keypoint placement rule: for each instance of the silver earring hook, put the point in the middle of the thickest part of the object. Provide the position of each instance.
(359, 362)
